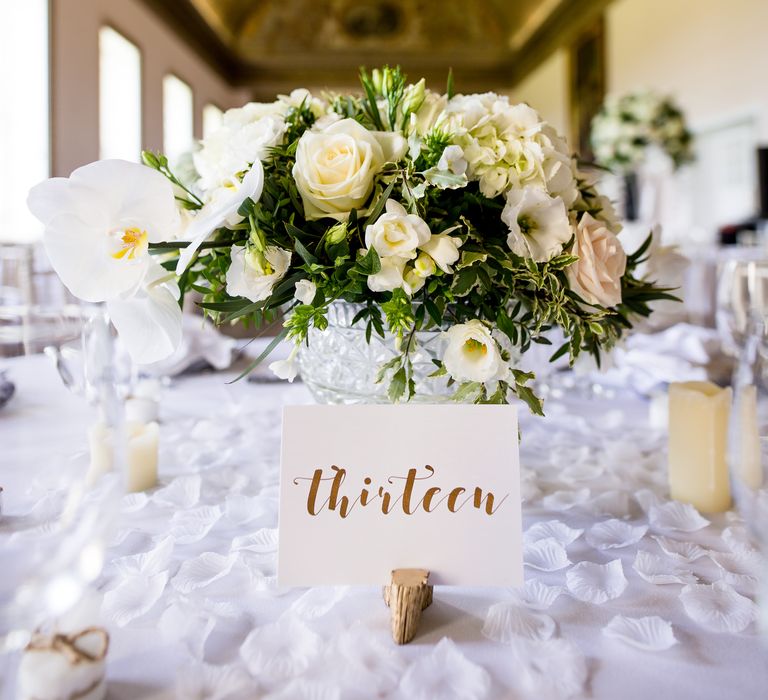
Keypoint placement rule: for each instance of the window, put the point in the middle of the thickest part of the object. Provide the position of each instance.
(119, 96)
(178, 118)
(24, 122)
(212, 116)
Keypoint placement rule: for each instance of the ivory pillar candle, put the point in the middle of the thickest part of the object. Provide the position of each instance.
(749, 469)
(141, 454)
(698, 430)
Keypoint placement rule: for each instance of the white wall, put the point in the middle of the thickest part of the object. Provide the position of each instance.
(546, 90)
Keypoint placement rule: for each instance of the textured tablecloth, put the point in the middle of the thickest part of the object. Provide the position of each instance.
(200, 616)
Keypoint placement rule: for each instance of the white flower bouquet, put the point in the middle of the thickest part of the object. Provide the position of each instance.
(431, 211)
(627, 125)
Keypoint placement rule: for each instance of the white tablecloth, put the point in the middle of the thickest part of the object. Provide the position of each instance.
(182, 623)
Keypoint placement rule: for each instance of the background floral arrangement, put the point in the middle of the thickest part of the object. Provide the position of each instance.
(627, 125)
(460, 212)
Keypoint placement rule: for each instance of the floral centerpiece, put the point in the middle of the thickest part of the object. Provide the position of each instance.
(462, 214)
(627, 125)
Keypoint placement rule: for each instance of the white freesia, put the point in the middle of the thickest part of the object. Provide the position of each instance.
(220, 209)
(305, 291)
(390, 276)
(254, 275)
(596, 275)
(335, 167)
(245, 136)
(287, 368)
(396, 232)
(149, 321)
(472, 354)
(416, 275)
(99, 223)
(443, 249)
(422, 121)
(538, 224)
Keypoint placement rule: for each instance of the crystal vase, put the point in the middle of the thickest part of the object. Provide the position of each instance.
(340, 367)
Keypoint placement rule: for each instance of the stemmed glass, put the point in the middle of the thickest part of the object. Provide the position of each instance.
(51, 553)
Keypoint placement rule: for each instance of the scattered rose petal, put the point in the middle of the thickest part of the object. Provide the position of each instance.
(262, 541)
(185, 624)
(546, 555)
(736, 537)
(551, 669)
(681, 551)
(596, 583)
(614, 534)
(654, 569)
(202, 571)
(147, 563)
(182, 492)
(717, 607)
(676, 516)
(190, 526)
(445, 673)
(646, 499)
(507, 621)
(613, 503)
(565, 500)
(134, 597)
(555, 529)
(242, 509)
(280, 651)
(134, 502)
(200, 681)
(647, 633)
(537, 595)
(301, 689)
(368, 663)
(316, 602)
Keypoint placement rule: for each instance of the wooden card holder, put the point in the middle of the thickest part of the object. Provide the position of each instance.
(407, 595)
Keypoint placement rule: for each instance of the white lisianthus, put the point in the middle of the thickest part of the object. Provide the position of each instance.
(396, 232)
(287, 368)
(453, 160)
(221, 208)
(472, 354)
(335, 167)
(538, 224)
(253, 274)
(390, 277)
(305, 291)
(99, 223)
(443, 249)
(596, 275)
(245, 136)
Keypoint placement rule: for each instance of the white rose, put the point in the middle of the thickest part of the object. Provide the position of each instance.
(390, 276)
(596, 275)
(538, 224)
(305, 291)
(397, 232)
(253, 275)
(334, 168)
(472, 354)
(443, 249)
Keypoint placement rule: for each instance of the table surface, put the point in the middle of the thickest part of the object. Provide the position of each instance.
(187, 625)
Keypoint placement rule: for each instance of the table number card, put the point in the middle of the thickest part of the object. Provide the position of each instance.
(368, 489)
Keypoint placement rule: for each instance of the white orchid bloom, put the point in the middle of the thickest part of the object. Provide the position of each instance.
(149, 322)
(538, 224)
(219, 210)
(99, 223)
(252, 274)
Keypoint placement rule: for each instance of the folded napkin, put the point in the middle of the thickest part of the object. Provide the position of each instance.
(201, 344)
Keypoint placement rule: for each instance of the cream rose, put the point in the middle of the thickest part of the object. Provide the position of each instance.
(335, 167)
(253, 275)
(397, 233)
(472, 354)
(596, 275)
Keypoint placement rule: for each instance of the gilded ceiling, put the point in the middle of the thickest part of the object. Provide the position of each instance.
(275, 43)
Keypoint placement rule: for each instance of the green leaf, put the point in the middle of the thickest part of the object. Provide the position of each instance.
(470, 257)
(433, 311)
(369, 264)
(439, 372)
(534, 402)
(304, 254)
(380, 203)
(397, 386)
(449, 84)
(445, 179)
(275, 342)
(467, 390)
